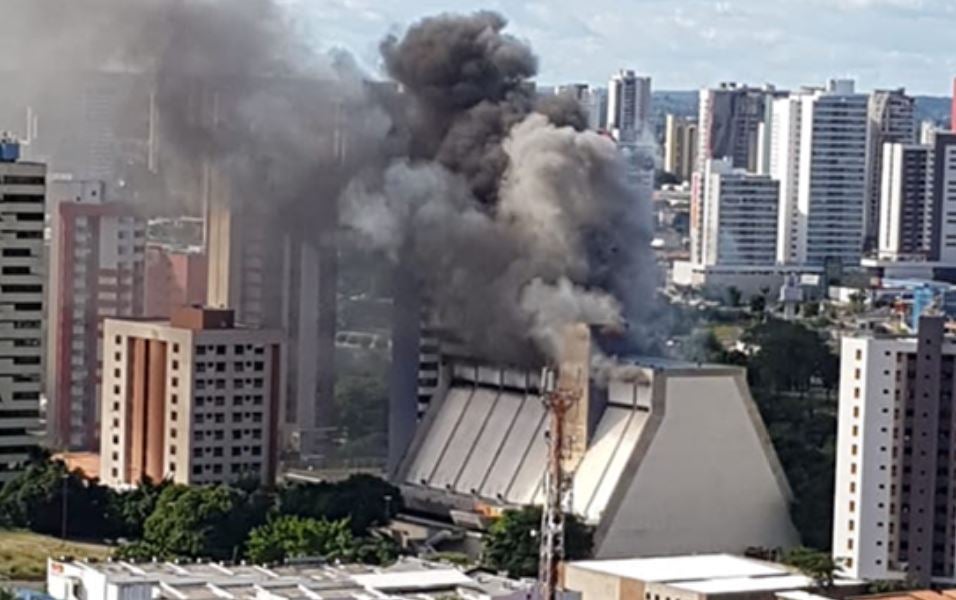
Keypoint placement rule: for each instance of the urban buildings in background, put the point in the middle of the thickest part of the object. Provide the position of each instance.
(196, 400)
(628, 105)
(97, 269)
(906, 202)
(175, 277)
(22, 314)
(680, 146)
(822, 211)
(894, 481)
(891, 119)
(740, 212)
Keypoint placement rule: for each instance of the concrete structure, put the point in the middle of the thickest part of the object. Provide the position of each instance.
(628, 106)
(894, 507)
(906, 202)
(740, 216)
(408, 579)
(643, 449)
(820, 147)
(680, 146)
(713, 280)
(195, 399)
(96, 271)
(174, 278)
(890, 118)
(690, 577)
(22, 282)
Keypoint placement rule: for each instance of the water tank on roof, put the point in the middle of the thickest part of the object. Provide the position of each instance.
(9, 149)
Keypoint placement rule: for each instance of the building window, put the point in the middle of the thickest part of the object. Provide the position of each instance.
(856, 430)
(175, 399)
(856, 393)
(852, 506)
(859, 354)
(172, 433)
(175, 365)
(851, 524)
(175, 381)
(856, 374)
(175, 348)
(849, 544)
(854, 450)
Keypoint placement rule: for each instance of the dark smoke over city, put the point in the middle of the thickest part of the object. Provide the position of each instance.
(513, 219)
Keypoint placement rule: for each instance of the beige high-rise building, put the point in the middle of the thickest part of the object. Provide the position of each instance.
(680, 146)
(195, 400)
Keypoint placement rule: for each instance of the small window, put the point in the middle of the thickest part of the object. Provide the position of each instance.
(175, 348)
(175, 365)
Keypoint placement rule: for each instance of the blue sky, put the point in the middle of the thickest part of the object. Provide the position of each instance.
(686, 44)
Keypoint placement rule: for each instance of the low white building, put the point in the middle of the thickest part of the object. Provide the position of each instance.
(407, 579)
(689, 577)
(715, 280)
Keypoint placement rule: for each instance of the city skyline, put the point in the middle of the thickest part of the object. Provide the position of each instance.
(880, 43)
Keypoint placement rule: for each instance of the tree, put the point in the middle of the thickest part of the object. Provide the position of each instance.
(811, 309)
(203, 522)
(819, 566)
(365, 500)
(7, 594)
(292, 537)
(512, 543)
(758, 304)
(130, 509)
(733, 296)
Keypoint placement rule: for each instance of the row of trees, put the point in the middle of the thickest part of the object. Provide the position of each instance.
(333, 520)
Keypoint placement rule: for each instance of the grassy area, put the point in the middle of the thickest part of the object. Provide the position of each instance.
(23, 554)
(728, 334)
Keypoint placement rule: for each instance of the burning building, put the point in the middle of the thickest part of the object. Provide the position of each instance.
(667, 457)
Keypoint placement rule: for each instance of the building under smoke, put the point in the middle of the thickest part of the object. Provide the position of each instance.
(647, 444)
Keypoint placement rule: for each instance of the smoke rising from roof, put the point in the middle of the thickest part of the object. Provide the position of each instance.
(515, 220)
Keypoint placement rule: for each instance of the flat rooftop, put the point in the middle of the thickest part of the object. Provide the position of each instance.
(684, 568)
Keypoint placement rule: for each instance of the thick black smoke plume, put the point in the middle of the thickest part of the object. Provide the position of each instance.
(515, 221)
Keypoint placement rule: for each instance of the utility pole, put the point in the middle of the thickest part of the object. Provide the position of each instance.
(557, 483)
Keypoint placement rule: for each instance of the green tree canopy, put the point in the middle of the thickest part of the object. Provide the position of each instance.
(203, 521)
(512, 543)
(293, 537)
(819, 566)
(365, 500)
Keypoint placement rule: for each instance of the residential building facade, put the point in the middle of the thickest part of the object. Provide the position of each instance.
(894, 509)
(890, 119)
(906, 202)
(22, 282)
(174, 278)
(628, 105)
(680, 146)
(97, 271)
(740, 216)
(195, 399)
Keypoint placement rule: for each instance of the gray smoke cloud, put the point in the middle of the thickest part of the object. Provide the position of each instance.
(515, 220)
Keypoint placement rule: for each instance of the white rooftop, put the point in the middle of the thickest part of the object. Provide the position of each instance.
(799, 595)
(413, 580)
(725, 585)
(684, 568)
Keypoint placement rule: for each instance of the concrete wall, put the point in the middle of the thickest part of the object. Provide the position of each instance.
(709, 481)
(594, 585)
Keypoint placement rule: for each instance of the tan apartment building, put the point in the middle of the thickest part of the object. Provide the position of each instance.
(195, 399)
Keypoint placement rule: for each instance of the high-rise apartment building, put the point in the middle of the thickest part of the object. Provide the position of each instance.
(680, 146)
(595, 105)
(97, 270)
(729, 125)
(894, 503)
(196, 400)
(740, 216)
(952, 115)
(943, 248)
(22, 280)
(906, 202)
(820, 159)
(628, 105)
(890, 117)
(175, 277)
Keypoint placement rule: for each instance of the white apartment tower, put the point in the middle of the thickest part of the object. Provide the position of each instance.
(819, 157)
(628, 105)
(195, 399)
(22, 278)
(906, 202)
(97, 269)
(894, 500)
(890, 119)
(740, 216)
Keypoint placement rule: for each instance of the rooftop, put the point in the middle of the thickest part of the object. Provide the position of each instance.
(684, 568)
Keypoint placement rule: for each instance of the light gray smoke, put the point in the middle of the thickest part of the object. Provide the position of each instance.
(515, 221)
